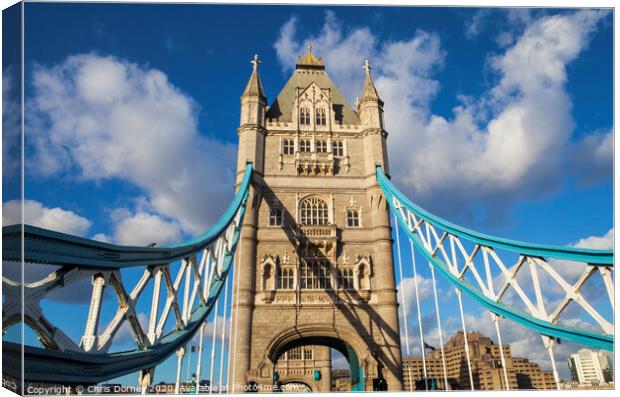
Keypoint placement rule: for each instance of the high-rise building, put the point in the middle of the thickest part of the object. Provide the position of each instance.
(486, 364)
(588, 367)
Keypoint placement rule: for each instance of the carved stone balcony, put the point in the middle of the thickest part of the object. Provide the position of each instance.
(318, 241)
(319, 231)
(314, 164)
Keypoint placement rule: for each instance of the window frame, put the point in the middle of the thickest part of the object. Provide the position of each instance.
(320, 146)
(288, 146)
(276, 213)
(305, 146)
(320, 117)
(354, 220)
(314, 211)
(304, 116)
(314, 275)
(338, 148)
(346, 279)
(286, 279)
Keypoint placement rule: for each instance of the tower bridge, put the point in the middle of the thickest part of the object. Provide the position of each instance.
(304, 260)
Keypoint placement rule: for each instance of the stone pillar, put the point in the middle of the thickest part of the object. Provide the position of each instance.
(383, 281)
(243, 295)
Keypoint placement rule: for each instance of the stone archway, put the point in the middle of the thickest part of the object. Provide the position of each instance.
(361, 362)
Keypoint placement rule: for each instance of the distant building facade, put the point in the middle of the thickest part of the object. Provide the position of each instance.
(588, 367)
(341, 380)
(486, 363)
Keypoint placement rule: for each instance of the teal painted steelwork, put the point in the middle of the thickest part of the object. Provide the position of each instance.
(46, 246)
(357, 374)
(72, 367)
(43, 365)
(597, 257)
(601, 258)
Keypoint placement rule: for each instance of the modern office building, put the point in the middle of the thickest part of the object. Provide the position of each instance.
(588, 367)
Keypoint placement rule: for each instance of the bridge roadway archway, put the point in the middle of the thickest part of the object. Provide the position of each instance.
(361, 361)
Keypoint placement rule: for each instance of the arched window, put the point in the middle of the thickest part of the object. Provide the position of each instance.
(320, 117)
(313, 211)
(345, 278)
(288, 146)
(338, 148)
(304, 145)
(314, 275)
(286, 278)
(353, 218)
(321, 146)
(304, 116)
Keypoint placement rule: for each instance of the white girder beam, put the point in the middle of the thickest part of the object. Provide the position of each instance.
(89, 339)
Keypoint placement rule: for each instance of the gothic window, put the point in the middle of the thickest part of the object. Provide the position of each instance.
(288, 146)
(304, 145)
(275, 216)
(304, 116)
(286, 277)
(314, 211)
(353, 218)
(308, 353)
(338, 148)
(321, 146)
(314, 275)
(320, 117)
(345, 278)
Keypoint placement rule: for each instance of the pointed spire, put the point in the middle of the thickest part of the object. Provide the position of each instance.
(254, 86)
(369, 92)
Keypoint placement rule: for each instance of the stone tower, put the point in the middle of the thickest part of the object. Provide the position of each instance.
(315, 258)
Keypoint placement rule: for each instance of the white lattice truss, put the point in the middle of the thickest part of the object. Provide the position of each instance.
(485, 269)
(189, 286)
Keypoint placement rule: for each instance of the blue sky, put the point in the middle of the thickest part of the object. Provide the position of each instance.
(499, 119)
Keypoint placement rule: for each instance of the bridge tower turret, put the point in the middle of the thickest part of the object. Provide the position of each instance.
(252, 124)
(370, 108)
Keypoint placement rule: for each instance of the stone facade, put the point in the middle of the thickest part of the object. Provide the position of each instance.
(486, 363)
(315, 255)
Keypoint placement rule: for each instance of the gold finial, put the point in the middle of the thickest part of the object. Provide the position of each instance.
(309, 59)
(255, 61)
(367, 66)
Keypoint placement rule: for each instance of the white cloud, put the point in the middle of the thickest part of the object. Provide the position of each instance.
(36, 214)
(102, 237)
(474, 26)
(11, 124)
(102, 117)
(605, 242)
(593, 157)
(407, 286)
(144, 228)
(343, 54)
(511, 143)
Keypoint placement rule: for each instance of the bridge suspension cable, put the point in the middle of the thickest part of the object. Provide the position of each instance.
(404, 305)
(439, 329)
(555, 276)
(417, 301)
(172, 323)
